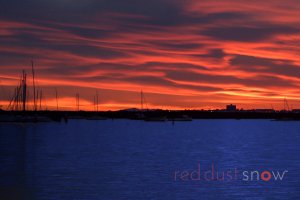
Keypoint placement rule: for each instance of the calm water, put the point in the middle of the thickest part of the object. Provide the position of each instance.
(125, 159)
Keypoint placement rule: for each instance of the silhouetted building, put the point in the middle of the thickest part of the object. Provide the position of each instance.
(231, 107)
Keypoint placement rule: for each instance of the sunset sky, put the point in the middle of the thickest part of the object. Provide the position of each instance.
(183, 54)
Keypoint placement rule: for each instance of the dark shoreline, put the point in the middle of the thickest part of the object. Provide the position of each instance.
(147, 115)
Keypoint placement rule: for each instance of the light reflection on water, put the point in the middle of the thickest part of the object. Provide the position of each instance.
(124, 159)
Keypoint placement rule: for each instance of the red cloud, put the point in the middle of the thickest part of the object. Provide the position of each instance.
(205, 55)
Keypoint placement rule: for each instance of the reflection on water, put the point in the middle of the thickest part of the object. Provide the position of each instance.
(125, 159)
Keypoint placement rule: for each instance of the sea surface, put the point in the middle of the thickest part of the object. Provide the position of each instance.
(127, 159)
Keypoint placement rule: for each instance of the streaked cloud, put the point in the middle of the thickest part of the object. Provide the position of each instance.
(182, 54)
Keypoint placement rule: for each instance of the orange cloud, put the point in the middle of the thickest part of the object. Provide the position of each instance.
(203, 54)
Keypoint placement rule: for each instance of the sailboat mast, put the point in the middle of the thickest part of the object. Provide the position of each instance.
(56, 96)
(286, 105)
(41, 96)
(33, 82)
(24, 91)
(94, 103)
(142, 100)
(97, 101)
(77, 101)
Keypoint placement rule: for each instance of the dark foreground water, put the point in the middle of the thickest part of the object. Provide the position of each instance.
(125, 159)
